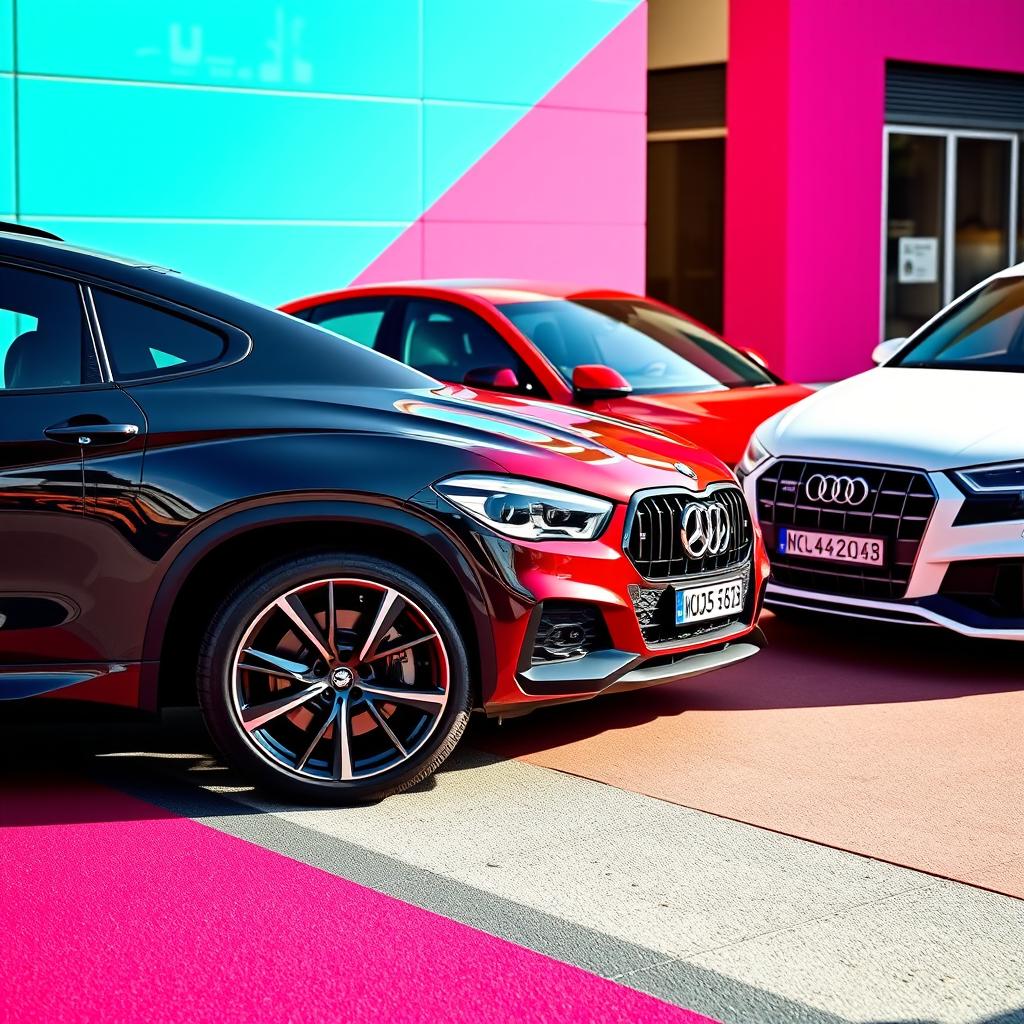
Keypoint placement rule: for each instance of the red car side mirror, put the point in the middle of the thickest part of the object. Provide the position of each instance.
(596, 380)
(497, 378)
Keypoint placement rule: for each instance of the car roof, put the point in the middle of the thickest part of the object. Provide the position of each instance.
(512, 290)
(47, 252)
(497, 291)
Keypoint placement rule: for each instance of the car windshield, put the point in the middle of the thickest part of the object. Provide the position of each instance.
(654, 350)
(983, 332)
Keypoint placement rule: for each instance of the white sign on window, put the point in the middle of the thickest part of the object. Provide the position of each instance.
(918, 261)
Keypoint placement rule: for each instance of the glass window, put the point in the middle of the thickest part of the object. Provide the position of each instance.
(984, 332)
(448, 342)
(42, 330)
(685, 217)
(655, 350)
(356, 319)
(144, 341)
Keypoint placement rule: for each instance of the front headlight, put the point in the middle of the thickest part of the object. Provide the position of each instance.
(1007, 478)
(755, 454)
(527, 510)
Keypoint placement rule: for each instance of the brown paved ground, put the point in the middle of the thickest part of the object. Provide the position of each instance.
(903, 744)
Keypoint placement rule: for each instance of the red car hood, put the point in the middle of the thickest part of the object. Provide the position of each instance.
(572, 446)
(720, 421)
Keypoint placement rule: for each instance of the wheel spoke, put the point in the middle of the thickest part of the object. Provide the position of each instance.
(332, 716)
(305, 624)
(258, 715)
(284, 666)
(399, 648)
(383, 723)
(430, 701)
(341, 751)
(391, 606)
(331, 616)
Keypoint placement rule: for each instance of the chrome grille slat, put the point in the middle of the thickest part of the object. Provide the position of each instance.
(898, 507)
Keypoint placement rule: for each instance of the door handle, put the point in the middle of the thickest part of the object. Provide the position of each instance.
(92, 434)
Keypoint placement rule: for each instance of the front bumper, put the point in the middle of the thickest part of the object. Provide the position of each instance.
(929, 599)
(598, 575)
(612, 671)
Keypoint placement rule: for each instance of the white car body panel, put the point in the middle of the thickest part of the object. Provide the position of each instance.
(928, 419)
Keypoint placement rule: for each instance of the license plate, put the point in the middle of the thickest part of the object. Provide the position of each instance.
(714, 601)
(835, 547)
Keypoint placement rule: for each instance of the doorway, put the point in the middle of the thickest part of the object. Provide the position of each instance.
(949, 218)
(685, 216)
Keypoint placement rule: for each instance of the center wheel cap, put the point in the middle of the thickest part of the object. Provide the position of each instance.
(342, 678)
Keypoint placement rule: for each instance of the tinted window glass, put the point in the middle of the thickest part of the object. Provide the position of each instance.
(41, 332)
(357, 319)
(654, 350)
(143, 341)
(448, 342)
(985, 332)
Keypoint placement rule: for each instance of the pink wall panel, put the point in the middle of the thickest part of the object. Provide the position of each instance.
(593, 255)
(805, 113)
(561, 195)
(556, 166)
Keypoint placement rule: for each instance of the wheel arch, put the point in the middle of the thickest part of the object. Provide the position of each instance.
(209, 564)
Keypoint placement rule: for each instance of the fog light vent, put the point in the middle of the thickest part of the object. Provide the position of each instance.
(568, 629)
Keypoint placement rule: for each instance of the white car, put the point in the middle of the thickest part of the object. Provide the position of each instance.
(898, 495)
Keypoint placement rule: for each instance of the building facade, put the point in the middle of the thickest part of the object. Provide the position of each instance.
(870, 154)
(277, 147)
(810, 177)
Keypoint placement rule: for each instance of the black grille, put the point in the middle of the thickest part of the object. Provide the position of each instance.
(993, 587)
(655, 609)
(568, 629)
(655, 545)
(897, 508)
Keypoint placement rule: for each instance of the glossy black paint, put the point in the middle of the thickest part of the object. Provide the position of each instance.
(282, 431)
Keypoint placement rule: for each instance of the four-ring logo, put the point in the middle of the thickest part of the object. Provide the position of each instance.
(837, 490)
(705, 529)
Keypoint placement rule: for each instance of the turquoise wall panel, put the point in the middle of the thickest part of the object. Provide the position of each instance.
(268, 263)
(124, 150)
(7, 199)
(509, 51)
(455, 136)
(6, 35)
(365, 47)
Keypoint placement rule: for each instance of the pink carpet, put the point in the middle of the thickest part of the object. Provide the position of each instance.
(115, 910)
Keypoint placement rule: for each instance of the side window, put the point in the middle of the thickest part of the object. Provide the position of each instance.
(356, 319)
(144, 341)
(44, 341)
(448, 342)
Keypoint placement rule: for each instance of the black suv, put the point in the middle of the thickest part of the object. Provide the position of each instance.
(341, 557)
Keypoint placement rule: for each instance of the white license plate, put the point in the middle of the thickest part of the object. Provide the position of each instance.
(714, 601)
(835, 547)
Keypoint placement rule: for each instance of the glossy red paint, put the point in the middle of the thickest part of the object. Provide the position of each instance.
(720, 421)
(607, 457)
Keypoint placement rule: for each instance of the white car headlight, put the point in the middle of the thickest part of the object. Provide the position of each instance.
(755, 454)
(1007, 478)
(527, 510)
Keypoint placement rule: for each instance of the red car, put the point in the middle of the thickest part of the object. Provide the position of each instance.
(615, 353)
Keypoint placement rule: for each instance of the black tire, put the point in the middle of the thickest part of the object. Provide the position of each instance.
(218, 681)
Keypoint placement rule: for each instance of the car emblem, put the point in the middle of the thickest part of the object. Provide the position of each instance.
(705, 529)
(683, 468)
(837, 490)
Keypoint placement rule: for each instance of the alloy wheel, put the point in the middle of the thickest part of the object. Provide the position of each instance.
(340, 680)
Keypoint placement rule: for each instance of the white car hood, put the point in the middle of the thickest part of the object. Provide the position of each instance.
(928, 419)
